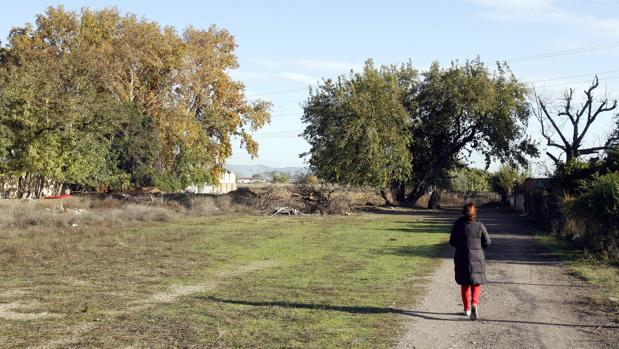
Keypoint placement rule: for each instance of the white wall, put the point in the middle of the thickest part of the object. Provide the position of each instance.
(227, 183)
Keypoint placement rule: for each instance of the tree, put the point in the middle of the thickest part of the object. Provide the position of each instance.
(135, 149)
(571, 141)
(447, 112)
(469, 180)
(463, 109)
(505, 178)
(357, 128)
(52, 109)
(478, 180)
(80, 87)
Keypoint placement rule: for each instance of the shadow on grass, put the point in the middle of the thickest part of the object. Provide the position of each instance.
(388, 310)
(440, 214)
(415, 229)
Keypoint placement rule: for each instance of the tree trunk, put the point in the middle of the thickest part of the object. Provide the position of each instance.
(29, 186)
(433, 203)
(39, 184)
(23, 189)
(413, 196)
(395, 195)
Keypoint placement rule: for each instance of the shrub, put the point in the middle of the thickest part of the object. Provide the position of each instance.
(280, 178)
(308, 179)
(598, 210)
(601, 199)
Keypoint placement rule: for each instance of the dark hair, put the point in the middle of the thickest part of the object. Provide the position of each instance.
(470, 211)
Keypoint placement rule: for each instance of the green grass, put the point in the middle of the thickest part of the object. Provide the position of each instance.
(589, 268)
(267, 282)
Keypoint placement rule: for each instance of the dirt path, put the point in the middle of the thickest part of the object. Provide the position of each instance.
(531, 300)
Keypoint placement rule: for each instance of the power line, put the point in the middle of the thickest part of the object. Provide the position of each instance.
(581, 81)
(573, 76)
(562, 52)
(285, 113)
(537, 56)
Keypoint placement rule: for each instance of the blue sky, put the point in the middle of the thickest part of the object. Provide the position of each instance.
(285, 46)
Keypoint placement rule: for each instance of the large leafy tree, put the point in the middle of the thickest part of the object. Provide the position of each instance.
(52, 109)
(451, 112)
(79, 88)
(461, 109)
(355, 128)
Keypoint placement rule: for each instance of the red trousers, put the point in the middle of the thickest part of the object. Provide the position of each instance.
(466, 291)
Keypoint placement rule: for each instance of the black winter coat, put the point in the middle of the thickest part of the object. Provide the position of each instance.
(469, 238)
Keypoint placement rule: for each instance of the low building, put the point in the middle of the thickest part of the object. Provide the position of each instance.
(247, 180)
(227, 183)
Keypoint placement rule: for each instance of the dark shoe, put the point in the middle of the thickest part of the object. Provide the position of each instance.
(474, 312)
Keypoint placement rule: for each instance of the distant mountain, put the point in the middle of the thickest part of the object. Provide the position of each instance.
(266, 171)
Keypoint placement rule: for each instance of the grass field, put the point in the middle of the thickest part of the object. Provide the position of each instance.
(224, 281)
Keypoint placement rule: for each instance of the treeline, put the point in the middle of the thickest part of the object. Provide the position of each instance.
(103, 100)
(473, 180)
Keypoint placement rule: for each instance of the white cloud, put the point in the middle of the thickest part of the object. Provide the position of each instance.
(515, 5)
(547, 11)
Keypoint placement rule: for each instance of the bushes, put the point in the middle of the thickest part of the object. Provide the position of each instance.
(601, 199)
(280, 178)
(592, 219)
(308, 198)
(95, 211)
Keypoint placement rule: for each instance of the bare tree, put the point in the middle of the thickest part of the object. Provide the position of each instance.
(580, 120)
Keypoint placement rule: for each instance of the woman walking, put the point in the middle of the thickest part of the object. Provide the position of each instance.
(470, 237)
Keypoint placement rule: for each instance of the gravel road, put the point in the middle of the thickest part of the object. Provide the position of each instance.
(530, 301)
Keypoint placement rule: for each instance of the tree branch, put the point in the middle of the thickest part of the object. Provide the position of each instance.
(593, 150)
(554, 158)
(553, 123)
(591, 117)
(568, 106)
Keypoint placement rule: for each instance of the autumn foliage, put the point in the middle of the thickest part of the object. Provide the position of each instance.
(102, 99)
